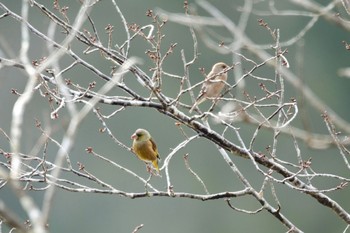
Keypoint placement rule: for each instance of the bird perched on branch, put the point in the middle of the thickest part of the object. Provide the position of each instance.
(145, 148)
(213, 84)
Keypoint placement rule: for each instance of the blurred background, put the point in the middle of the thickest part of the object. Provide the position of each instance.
(322, 53)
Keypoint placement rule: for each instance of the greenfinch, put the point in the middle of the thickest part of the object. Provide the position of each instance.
(145, 148)
(213, 84)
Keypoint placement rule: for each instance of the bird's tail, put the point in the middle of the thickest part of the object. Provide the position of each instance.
(155, 165)
(198, 101)
(193, 107)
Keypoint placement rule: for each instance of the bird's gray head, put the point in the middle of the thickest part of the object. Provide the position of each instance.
(220, 66)
(141, 135)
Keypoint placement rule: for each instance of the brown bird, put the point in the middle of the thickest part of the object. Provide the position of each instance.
(213, 84)
(145, 148)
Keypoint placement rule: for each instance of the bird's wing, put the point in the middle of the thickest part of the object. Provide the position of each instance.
(154, 147)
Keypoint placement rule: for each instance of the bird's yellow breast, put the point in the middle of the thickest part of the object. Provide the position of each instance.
(145, 151)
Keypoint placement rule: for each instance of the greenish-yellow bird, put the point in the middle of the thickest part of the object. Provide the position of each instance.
(145, 148)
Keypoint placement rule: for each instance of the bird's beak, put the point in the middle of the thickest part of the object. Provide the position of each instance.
(133, 136)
